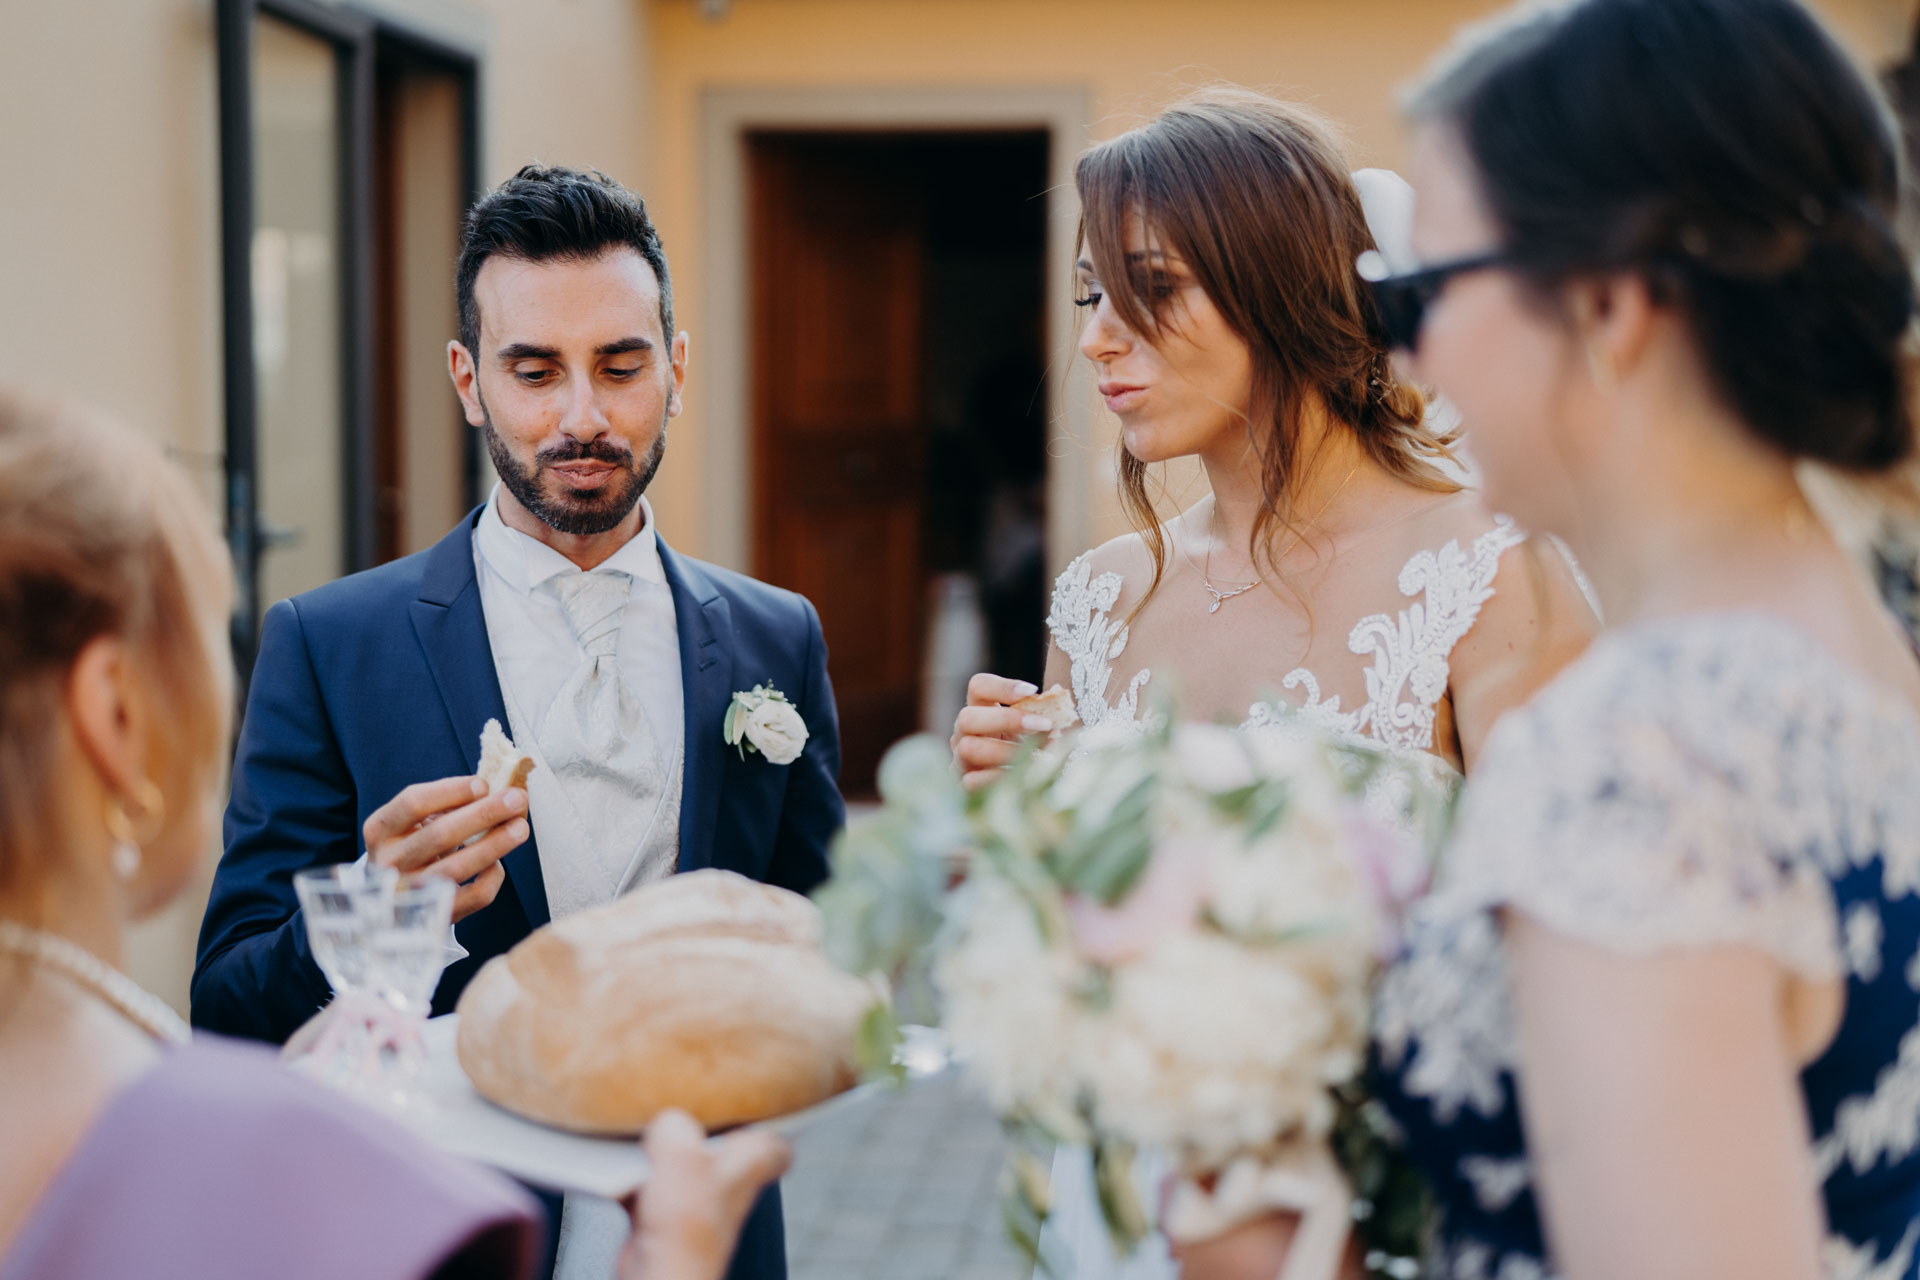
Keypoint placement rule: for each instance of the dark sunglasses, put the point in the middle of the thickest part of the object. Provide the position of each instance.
(1402, 300)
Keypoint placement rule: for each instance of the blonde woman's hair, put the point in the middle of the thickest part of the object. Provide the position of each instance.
(123, 549)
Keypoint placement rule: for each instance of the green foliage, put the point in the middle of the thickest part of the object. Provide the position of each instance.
(1106, 850)
(1392, 1205)
(884, 903)
(1119, 1198)
(1260, 806)
(879, 1044)
(1053, 832)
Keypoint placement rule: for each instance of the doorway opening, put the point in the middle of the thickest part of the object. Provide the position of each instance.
(898, 411)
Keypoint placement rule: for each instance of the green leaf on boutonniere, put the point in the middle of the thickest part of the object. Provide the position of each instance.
(733, 728)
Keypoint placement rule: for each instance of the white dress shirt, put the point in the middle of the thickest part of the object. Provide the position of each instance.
(534, 651)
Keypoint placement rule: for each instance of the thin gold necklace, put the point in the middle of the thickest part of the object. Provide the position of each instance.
(96, 978)
(1206, 573)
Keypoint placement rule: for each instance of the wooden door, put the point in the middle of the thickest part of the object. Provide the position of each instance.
(838, 266)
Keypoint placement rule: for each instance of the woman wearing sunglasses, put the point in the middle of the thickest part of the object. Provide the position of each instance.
(1660, 1017)
(1333, 561)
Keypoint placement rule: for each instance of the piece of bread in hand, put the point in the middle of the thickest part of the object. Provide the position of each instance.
(1055, 706)
(705, 991)
(502, 764)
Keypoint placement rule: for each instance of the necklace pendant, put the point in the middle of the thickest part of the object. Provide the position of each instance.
(1221, 597)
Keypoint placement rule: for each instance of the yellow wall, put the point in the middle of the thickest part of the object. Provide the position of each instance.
(110, 215)
(1347, 57)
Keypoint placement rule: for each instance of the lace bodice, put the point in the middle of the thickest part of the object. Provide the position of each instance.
(1409, 652)
(1693, 781)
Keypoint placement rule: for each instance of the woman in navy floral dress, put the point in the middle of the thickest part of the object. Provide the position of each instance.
(1659, 1017)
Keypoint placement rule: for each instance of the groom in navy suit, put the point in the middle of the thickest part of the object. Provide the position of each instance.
(556, 609)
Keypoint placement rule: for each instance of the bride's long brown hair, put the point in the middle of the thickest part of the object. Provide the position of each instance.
(1253, 194)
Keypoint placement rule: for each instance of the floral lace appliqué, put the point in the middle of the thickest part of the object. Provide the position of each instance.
(1091, 639)
(1410, 652)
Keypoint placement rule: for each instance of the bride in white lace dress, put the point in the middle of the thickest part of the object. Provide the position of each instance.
(1334, 564)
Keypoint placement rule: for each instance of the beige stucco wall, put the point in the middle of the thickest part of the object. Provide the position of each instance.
(110, 218)
(1124, 57)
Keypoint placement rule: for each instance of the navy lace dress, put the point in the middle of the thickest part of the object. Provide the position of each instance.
(1711, 779)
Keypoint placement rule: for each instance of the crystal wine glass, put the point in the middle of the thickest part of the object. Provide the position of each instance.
(406, 946)
(341, 905)
(337, 902)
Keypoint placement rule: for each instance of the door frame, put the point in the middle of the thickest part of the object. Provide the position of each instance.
(727, 116)
(359, 36)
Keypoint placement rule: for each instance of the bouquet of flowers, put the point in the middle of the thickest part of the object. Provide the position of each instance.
(1164, 940)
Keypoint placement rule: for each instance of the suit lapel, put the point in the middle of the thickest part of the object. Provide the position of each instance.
(452, 628)
(705, 627)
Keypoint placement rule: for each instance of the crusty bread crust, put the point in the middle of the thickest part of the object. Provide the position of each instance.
(1056, 705)
(706, 991)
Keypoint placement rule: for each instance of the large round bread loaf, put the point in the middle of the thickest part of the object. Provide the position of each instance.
(705, 991)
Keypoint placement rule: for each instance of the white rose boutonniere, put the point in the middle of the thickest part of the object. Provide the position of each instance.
(761, 719)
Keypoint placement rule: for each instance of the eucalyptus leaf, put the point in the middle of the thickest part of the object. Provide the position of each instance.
(1095, 988)
(1266, 809)
(1119, 1199)
(915, 769)
(878, 1045)
(1113, 868)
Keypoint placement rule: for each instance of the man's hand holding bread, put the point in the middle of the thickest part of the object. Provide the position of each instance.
(459, 827)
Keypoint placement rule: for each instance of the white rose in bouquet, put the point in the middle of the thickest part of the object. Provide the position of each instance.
(1010, 1001)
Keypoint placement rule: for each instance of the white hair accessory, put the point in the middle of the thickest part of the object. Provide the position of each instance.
(1388, 201)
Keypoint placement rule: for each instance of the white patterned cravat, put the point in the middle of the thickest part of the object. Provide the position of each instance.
(599, 744)
(594, 709)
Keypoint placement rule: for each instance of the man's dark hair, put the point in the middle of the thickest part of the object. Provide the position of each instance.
(547, 213)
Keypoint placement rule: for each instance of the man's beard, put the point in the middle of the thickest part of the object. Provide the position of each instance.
(571, 512)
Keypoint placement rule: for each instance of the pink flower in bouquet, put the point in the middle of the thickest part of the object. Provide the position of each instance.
(1394, 870)
(1166, 900)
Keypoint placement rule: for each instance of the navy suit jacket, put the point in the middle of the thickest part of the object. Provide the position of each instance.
(383, 679)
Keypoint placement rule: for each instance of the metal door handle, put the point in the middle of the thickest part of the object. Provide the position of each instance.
(277, 537)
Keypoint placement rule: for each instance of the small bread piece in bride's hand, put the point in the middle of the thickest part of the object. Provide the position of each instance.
(502, 764)
(1055, 706)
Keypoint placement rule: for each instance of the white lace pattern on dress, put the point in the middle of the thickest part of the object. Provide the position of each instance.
(1410, 651)
(1409, 672)
(1081, 627)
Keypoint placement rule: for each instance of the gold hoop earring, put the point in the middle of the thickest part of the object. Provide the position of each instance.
(1604, 375)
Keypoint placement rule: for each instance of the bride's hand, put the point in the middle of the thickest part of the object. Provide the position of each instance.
(987, 731)
(1255, 1250)
(686, 1220)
